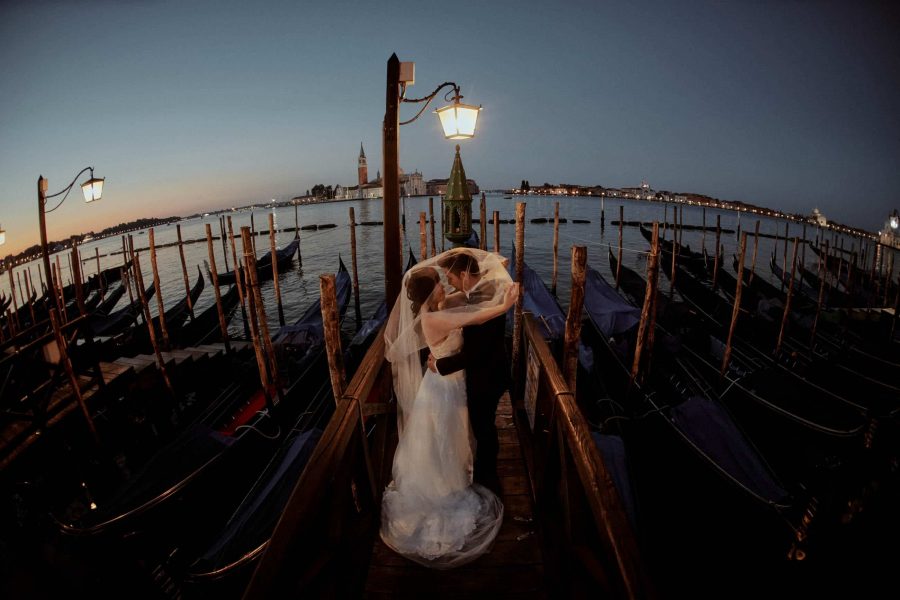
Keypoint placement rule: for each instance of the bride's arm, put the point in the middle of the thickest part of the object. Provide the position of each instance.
(436, 325)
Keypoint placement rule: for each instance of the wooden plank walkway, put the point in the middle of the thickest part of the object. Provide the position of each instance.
(512, 569)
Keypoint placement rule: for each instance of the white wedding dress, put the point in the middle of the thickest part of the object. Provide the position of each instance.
(432, 512)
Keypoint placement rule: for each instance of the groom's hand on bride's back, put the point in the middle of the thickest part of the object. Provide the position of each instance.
(431, 365)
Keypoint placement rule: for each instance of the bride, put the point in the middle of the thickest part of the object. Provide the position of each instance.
(432, 511)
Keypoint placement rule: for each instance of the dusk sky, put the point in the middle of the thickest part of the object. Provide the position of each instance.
(194, 105)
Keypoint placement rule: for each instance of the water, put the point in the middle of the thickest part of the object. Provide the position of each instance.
(320, 249)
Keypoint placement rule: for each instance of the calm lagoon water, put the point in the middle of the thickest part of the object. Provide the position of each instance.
(320, 249)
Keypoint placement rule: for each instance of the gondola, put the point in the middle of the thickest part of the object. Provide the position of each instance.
(264, 264)
(114, 323)
(832, 465)
(695, 470)
(229, 442)
(138, 342)
(106, 277)
(204, 328)
(542, 304)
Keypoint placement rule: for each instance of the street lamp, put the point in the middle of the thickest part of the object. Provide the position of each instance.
(458, 121)
(92, 190)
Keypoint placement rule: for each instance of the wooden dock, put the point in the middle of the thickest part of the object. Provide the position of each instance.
(514, 568)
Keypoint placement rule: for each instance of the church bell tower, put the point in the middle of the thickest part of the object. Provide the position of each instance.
(362, 169)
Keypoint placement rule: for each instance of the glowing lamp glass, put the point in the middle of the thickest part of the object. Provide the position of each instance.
(92, 189)
(458, 120)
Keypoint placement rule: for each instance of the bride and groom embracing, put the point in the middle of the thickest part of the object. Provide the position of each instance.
(439, 509)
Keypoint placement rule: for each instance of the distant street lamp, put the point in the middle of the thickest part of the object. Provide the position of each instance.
(458, 121)
(92, 190)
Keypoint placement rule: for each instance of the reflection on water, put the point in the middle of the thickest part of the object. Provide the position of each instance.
(319, 250)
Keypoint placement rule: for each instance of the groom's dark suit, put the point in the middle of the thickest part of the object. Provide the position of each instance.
(483, 356)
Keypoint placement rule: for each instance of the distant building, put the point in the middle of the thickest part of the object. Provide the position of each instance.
(438, 187)
(890, 232)
(410, 185)
(817, 218)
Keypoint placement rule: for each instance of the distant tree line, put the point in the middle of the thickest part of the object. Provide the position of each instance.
(33, 252)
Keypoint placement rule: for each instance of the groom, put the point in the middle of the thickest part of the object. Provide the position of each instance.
(483, 356)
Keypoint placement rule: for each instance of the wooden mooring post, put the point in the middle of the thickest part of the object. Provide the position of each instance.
(214, 275)
(100, 283)
(703, 237)
(784, 259)
(755, 250)
(520, 277)
(258, 312)
(332, 329)
(151, 330)
(787, 303)
(224, 241)
(482, 241)
(431, 221)
(649, 304)
(156, 286)
(619, 262)
(726, 359)
(353, 264)
(602, 213)
(70, 373)
(573, 318)
(497, 231)
(275, 281)
(238, 279)
(823, 267)
(555, 247)
(423, 238)
(184, 273)
(715, 282)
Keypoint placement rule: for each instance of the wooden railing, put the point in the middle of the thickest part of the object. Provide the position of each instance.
(328, 524)
(323, 540)
(584, 524)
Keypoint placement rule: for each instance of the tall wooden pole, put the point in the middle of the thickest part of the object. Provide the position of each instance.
(187, 282)
(497, 231)
(423, 237)
(214, 275)
(145, 309)
(621, 227)
(76, 278)
(258, 313)
(787, 303)
(649, 302)
(482, 242)
(726, 359)
(602, 213)
(443, 222)
(703, 239)
(101, 284)
(755, 250)
(716, 261)
(238, 279)
(261, 361)
(159, 299)
(431, 219)
(573, 318)
(784, 261)
(520, 277)
(332, 330)
(353, 263)
(393, 256)
(822, 270)
(224, 241)
(70, 372)
(555, 247)
(12, 286)
(277, 284)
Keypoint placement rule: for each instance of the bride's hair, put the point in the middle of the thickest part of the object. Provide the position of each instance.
(419, 286)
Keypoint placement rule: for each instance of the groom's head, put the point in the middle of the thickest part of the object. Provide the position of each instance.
(462, 270)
